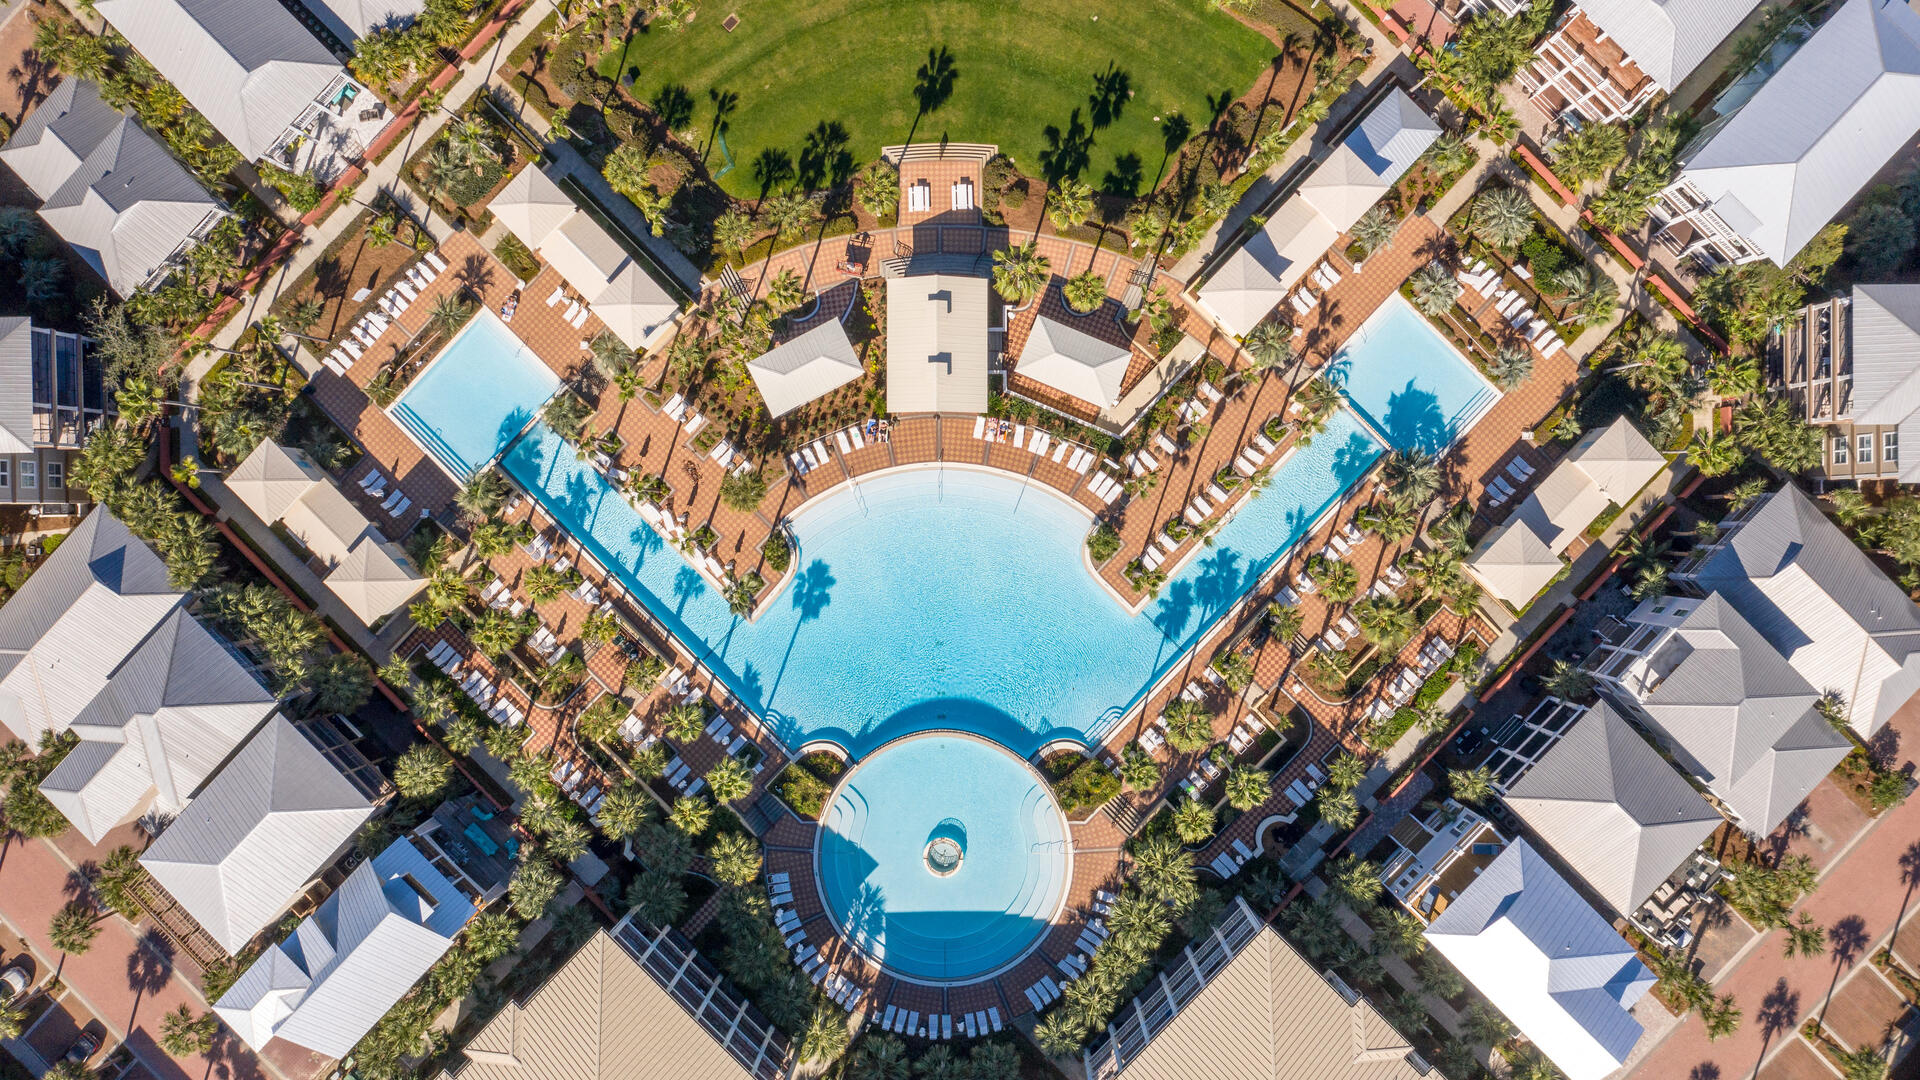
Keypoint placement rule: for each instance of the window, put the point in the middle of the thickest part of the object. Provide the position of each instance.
(29, 476)
(1890, 447)
(6, 473)
(1839, 449)
(1865, 455)
(56, 474)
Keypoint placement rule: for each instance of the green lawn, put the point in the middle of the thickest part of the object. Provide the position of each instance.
(1020, 67)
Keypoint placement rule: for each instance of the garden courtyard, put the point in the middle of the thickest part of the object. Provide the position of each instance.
(1070, 79)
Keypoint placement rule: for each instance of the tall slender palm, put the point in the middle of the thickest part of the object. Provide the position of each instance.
(1411, 477)
(1375, 230)
(1069, 203)
(1591, 296)
(1019, 273)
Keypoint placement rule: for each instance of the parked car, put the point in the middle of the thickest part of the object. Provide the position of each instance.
(82, 1048)
(14, 981)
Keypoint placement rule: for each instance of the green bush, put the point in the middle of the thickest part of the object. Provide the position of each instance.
(1103, 543)
(777, 552)
(1087, 786)
(1544, 257)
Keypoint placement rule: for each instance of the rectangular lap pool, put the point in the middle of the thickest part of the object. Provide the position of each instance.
(483, 389)
(1408, 381)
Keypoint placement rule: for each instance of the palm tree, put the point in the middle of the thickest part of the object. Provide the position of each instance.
(1189, 725)
(481, 496)
(1163, 871)
(1284, 622)
(1717, 453)
(1338, 807)
(1346, 771)
(735, 858)
(1193, 822)
(1248, 787)
(13, 1017)
(1435, 289)
(1589, 153)
(183, 1034)
(788, 215)
(74, 927)
(1060, 1034)
(1375, 230)
(690, 814)
(881, 1057)
(734, 231)
(1411, 477)
(730, 781)
(422, 771)
(1502, 217)
(1353, 880)
(1385, 621)
(626, 169)
(1510, 366)
(1019, 273)
(659, 898)
(1591, 296)
(1722, 1018)
(1316, 928)
(1085, 293)
(1567, 681)
(1470, 785)
(1069, 204)
(1338, 582)
(1268, 346)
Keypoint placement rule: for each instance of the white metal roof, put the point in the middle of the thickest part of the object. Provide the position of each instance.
(1818, 130)
(1370, 160)
(1513, 563)
(633, 305)
(1296, 235)
(249, 67)
(272, 478)
(375, 578)
(1618, 459)
(800, 370)
(326, 521)
(532, 206)
(1075, 362)
(1667, 39)
(242, 849)
(1884, 334)
(349, 962)
(1524, 938)
(16, 385)
(353, 19)
(937, 344)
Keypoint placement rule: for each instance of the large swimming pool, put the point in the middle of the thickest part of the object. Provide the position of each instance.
(1408, 381)
(942, 597)
(943, 856)
(475, 397)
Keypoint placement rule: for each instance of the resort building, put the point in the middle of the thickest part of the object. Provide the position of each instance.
(632, 1004)
(1603, 800)
(52, 396)
(1608, 58)
(259, 77)
(610, 281)
(1729, 707)
(98, 644)
(1523, 554)
(349, 962)
(936, 344)
(112, 191)
(1260, 274)
(807, 367)
(1437, 857)
(1075, 363)
(369, 573)
(1759, 182)
(1524, 938)
(1851, 366)
(1240, 1002)
(351, 20)
(471, 844)
(1817, 599)
(239, 853)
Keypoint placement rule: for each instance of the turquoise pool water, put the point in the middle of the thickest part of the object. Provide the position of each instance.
(942, 597)
(940, 921)
(1408, 381)
(472, 399)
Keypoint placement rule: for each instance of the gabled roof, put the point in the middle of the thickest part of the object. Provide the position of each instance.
(1611, 807)
(353, 19)
(325, 986)
(272, 478)
(125, 203)
(1370, 160)
(800, 370)
(1618, 459)
(532, 206)
(937, 344)
(16, 385)
(1667, 39)
(599, 1017)
(1817, 598)
(1885, 347)
(73, 622)
(633, 305)
(169, 715)
(1818, 130)
(1248, 284)
(1737, 714)
(1524, 938)
(238, 853)
(1514, 564)
(1075, 362)
(249, 67)
(375, 578)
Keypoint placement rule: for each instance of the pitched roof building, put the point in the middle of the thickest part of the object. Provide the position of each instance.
(1608, 466)
(612, 1012)
(1606, 802)
(1818, 600)
(1075, 362)
(1760, 182)
(251, 69)
(111, 190)
(329, 983)
(1729, 706)
(805, 368)
(937, 344)
(1260, 273)
(245, 846)
(350, 20)
(1851, 365)
(52, 397)
(1524, 938)
(1241, 1003)
(616, 286)
(372, 575)
(1607, 58)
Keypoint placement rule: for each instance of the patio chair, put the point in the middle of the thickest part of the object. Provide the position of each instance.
(439, 264)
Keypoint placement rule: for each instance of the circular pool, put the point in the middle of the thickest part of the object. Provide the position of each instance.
(943, 856)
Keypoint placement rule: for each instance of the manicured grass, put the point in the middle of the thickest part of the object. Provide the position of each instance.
(1022, 65)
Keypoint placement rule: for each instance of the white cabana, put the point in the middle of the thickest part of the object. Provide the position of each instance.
(816, 362)
(1074, 362)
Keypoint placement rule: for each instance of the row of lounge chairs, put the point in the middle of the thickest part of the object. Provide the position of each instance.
(1228, 862)
(475, 684)
(1511, 305)
(1499, 489)
(1063, 452)
(374, 485)
(1301, 790)
(681, 412)
(362, 335)
(574, 781)
(843, 991)
(848, 439)
(577, 312)
(1304, 300)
